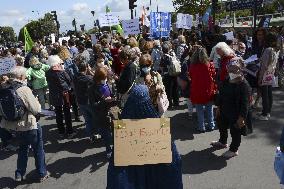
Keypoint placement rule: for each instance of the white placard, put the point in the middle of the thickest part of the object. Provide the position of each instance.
(251, 59)
(94, 39)
(184, 21)
(131, 27)
(229, 35)
(63, 38)
(6, 65)
(108, 20)
(52, 38)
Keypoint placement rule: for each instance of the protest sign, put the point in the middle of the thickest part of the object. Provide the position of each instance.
(141, 142)
(6, 65)
(184, 21)
(160, 24)
(108, 19)
(63, 38)
(229, 35)
(94, 39)
(131, 27)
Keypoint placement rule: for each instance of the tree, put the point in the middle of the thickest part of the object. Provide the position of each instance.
(7, 35)
(191, 7)
(40, 28)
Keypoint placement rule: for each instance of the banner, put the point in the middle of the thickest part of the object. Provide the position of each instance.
(6, 65)
(160, 24)
(184, 21)
(141, 142)
(108, 19)
(28, 41)
(131, 27)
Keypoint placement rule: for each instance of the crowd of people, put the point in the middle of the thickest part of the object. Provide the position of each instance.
(139, 75)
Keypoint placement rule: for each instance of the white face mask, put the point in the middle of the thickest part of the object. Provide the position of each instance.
(233, 76)
(103, 82)
(146, 70)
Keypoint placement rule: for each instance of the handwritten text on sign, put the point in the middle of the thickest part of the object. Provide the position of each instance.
(140, 142)
(6, 65)
(130, 27)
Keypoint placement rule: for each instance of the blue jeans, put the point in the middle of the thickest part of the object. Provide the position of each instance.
(88, 116)
(5, 136)
(200, 114)
(33, 138)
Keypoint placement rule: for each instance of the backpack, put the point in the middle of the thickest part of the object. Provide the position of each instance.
(12, 107)
(175, 66)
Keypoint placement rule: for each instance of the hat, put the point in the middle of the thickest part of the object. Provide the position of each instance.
(54, 60)
(139, 104)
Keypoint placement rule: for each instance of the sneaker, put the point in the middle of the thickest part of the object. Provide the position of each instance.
(94, 138)
(18, 177)
(268, 115)
(42, 179)
(230, 154)
(218, 144)
(72, 135)
(262, 118)
(10, 147)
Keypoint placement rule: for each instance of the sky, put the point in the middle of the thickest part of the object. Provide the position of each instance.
(17, 13)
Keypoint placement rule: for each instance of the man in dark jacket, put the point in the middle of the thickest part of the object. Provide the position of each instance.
(82, 82)
(34, 52)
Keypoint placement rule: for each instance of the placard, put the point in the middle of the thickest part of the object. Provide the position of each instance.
(63, 38)
(141, 142)
(131, 27)
(108, 20)
(6, 65)
(160, 24)
(229, 35)
(184, 21)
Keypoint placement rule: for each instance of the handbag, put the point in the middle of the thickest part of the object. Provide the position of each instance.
(268, 78)
(163, 103)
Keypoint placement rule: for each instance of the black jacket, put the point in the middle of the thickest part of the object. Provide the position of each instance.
(82, 83)
(100, 108)
(127, 78)
(58, 82)
(233, 100)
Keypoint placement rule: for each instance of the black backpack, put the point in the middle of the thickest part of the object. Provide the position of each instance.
(12, 107)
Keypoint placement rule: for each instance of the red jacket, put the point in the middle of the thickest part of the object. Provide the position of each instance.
(223, 66)
(116, 64)
(203, 86)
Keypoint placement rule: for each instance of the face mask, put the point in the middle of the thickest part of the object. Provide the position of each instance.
(104, 82)
(233, 76)
(146, 70)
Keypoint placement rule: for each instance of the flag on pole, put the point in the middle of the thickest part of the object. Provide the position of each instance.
(28, 41)
(107, 9)
(119, 29)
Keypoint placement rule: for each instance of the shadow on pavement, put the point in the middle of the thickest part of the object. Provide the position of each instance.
(6, 182)
(73, 165)
(182, 128)
(196, 162)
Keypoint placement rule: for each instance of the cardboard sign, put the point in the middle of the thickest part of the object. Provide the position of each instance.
(6, 65)
(141, 142)
(184, 21)
(131, 27)
(108, 20)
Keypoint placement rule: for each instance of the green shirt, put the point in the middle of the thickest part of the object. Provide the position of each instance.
(37, 76)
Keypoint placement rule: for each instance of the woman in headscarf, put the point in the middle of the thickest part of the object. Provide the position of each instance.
(164, 176)
(233, 105)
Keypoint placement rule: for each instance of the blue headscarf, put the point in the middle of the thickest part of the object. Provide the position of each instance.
(139, 105)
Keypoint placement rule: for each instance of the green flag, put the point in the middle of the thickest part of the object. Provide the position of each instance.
(107, 9)
(119, 29)
(28, 41)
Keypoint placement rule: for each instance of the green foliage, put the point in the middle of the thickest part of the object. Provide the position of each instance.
(40, 28)
(191, 7)
(7, 35)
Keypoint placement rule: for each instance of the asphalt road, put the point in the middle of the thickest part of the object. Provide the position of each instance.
(77, 164)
